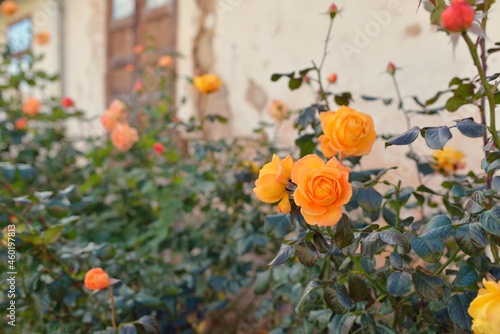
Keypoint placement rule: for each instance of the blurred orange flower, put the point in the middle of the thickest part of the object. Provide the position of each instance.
(165, 61)
(278, 110)
(273, 179)
(138, 49)
(458, 16)
(9, 8)
(42, 38)
(21, 124)
(124, 137)
(139, 86)
(96, 279)
(332, 78)
(346, 131)
(31, 107)
(129, 67)
(207, 83)
(114, 115)
(158, 148)
(322, 189)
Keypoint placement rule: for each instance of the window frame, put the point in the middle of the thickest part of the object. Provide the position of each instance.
(21, 53)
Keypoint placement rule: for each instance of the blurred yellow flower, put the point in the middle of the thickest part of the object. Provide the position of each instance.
(274, 176)
(251, 165)
(448, 160)
(207, 83)
(485, 309)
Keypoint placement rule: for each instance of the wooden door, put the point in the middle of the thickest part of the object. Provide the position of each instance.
(151, 23)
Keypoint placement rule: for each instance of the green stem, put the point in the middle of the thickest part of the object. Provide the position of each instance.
(450, 260)
(489, 94)
(112, 300)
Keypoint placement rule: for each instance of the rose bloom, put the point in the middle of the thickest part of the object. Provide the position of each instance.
(158, 148)
(332, 78)
(138, 49)
(42, 38)
(31, 107)
(278, 110)
(117, 107)
(66, 102)
(458, 17)
(391, 68)
(485, 309)
(138, 86)
(448, 160)
(346, 131)
(96, 279)
(273, 179)
(129, 68)
(21, 124)
(165, 61)
(8, 8)
(124, 137)
(322, 189)
(207, 83)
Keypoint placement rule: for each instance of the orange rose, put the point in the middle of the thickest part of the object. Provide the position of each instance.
(96, 279)
(31, 107)
(485, 309)
(124, 136)
(114, 115)
(274, 176)
(278, 110)
(21, 124)
(138, 49)
(207, 83)
(322, 189)
(9, 8)
(346, 131)
(42, 38)
(117, 108)
(165, 61)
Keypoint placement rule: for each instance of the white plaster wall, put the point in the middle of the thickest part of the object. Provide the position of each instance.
(256, 38)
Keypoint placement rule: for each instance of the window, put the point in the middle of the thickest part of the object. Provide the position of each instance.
(123, 9)
(19, 36)
(151, 4)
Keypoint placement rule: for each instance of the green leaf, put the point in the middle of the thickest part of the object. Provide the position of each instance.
(405, 138)
(455, 102)
(277, 225)
(262, 282)
(393, 237)
(396, 261)
(437, 137)
(343, 99)
(320, 243)
(52, 234)
(342, 234)
(370, 245)
(471, 129)
(475, 203)
(457, 309)
(428, 286)
(341, 323)
(306, 144)
(471, 239)
(307, 253)
(284, 254)
(430, 250)
(312, 285)
(369, 199)
(295, 83)
(466, 276)
(439, 227)
(490, 220)
(398, 283)
(337, 298)
(358, 290)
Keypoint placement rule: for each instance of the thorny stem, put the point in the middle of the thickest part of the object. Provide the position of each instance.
(320, 67)
(112, 299)
(482, 45)
(489, 94)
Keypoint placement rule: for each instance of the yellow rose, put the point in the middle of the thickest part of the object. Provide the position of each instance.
(346, 131)
(207, 83)
(270, 187)
(448, 160)
(278, 110)
(322, 189)
(485, 309)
